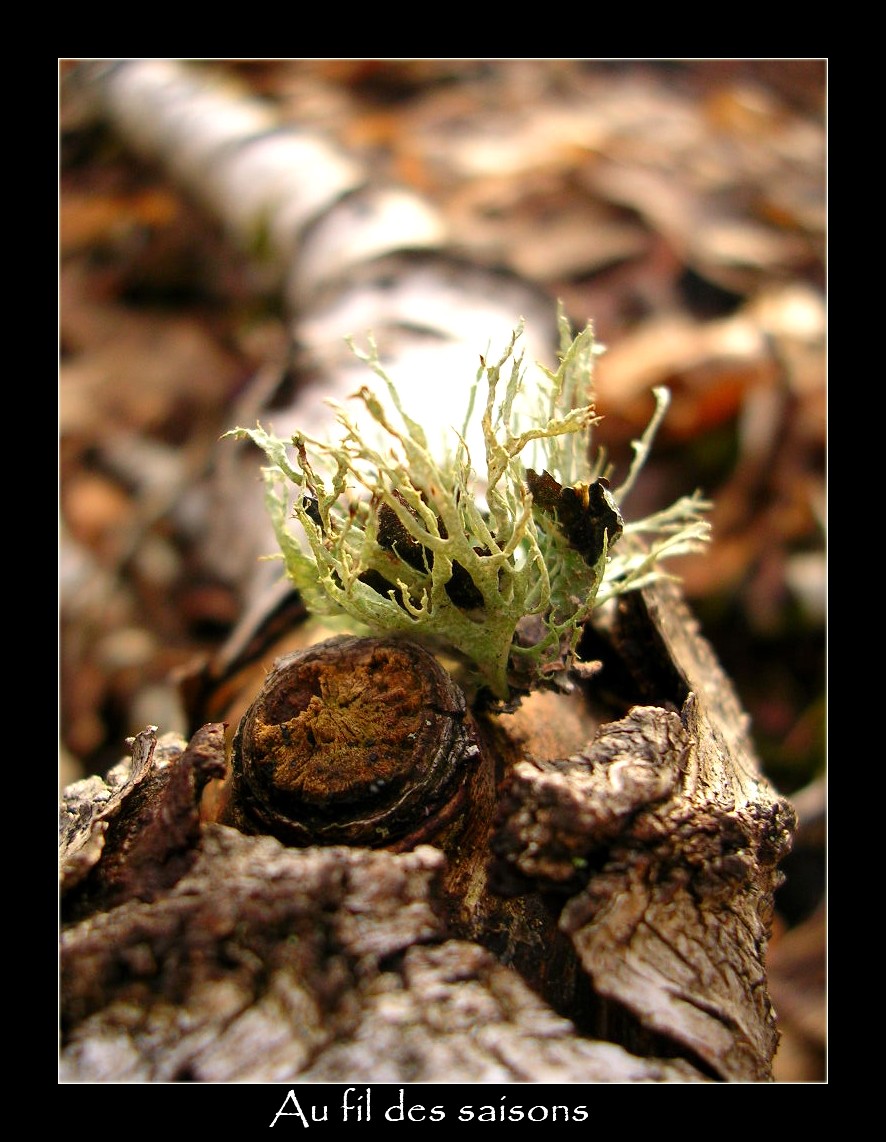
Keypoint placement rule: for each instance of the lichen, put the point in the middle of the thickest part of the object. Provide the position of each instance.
(498, 563)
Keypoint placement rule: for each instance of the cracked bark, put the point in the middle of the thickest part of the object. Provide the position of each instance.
(618, 918)
(268, 964)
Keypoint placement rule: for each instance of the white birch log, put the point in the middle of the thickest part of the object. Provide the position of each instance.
(351, 258)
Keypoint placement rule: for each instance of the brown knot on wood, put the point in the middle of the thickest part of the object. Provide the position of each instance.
(358, 741)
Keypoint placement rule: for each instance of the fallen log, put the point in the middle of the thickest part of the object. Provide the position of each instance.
(593, 899)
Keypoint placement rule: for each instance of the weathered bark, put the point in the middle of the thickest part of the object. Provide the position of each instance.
(269, 964)
(629, 886)
(682, 839)
(604, 915)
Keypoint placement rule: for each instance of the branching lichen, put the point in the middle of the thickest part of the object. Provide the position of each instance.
(501, 564)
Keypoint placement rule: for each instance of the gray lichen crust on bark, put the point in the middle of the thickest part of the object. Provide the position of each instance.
(268, 964)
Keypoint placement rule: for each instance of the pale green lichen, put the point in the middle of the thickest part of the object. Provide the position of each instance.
(400, 539)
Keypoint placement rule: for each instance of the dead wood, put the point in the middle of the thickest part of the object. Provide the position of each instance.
(270, 964)
(682, 840)
(618, 934)
(606, 916)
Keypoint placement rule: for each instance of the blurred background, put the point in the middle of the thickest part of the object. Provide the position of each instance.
(678, 204)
